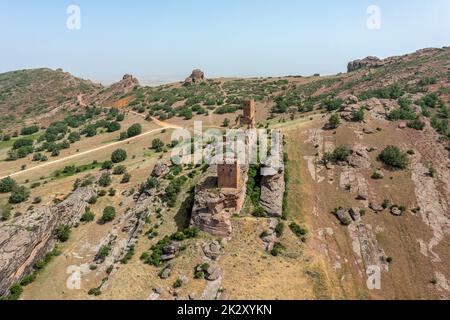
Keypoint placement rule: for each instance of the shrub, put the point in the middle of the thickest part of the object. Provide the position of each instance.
(119, 170)
(333, 104)
(37, 200)
(279, 229)
(7, 185)
(14, 292)
(63, 233)
(277, 249)
(103, 252)
(74, 137)
(88, 216)
(105, 180)
(107, 165)
(416, 124)
(334, 121)
(226, 122)
(298, 230)
(92, 200)
(19, 195)
(29, 130)
(157, 145)
(109, 214)
(113, 126)
(341, 153)
(19, 143)
(358, 115)
(126, 178)
(392, 156)
(178, 283)
(134, 130)
(118, 156)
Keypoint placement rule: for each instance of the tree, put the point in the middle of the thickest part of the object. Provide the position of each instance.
(113, 126)
(157, 144)
(105, 180)
(7, 185)
(118, 156)
(119, 170)
(19, 195)
(334, 121)
(29, 130)
(63, 233)
(392, 156)
(74, 137)
(107, 165)
(19, 143)
(109, 214)
(134, 130)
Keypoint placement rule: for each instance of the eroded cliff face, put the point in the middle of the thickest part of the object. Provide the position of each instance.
(27, 238)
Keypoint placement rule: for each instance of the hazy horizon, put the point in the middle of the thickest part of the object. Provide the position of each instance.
(163, 41)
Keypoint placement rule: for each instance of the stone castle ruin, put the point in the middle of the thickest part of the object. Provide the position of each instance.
(222, 193)
(248, 118)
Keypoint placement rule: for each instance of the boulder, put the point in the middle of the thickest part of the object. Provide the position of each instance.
(213, 250)
(344, 217)
(362, 196)
(376, 207)
(355, 213)
(213, 273)
(197, 76)
(396, 211)
(369, 130)
(402, 125)
(369, 62)
(160, 170)
(165, 273)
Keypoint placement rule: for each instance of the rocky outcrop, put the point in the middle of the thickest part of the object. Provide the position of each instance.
(369, 62)
(197, 76)
(214, 207)
(272, 183)
(160, 170)
(26, 239)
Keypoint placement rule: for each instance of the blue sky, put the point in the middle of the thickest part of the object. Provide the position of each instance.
(164, 40)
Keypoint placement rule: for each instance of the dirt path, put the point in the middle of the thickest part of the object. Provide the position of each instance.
(163, 126)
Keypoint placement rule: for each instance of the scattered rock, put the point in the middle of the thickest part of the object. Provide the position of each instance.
(165, 273)
(369, 130)
(213, 250)
(159, 170)
(396, 211)
(344, 217)
(375, 207)
(362, 196)
(402, 125)
(213, 273)
(355, 213)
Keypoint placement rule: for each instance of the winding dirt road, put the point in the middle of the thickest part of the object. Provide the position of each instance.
(162, 124)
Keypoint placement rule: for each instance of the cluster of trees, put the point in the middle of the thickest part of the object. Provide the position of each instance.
(18, 194)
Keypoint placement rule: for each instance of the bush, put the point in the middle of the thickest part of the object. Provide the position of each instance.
(63, 233)
(92, 200)
(226, 123)
(14, 292)
(334, 121)
(178, 283)
(105, 180)
(113, 126)
(333, 104)
(277, 249)
(416, 124)
(126, 178)
(157, 145)
(103, 252)
(119, 170)
(279, 229)
(298, 230)
(118, 156)
(392, 156)
(29, 130)
(107, 165)
(341, 153)
(74, 137)
(134, 130)
(88, 216)
(358, 115)
(19, 143)
(19, 195)
(7, 185)
(377, 176)
(109, 214)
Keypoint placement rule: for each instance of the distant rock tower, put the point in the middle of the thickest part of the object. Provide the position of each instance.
(228, 175)
(249, 113)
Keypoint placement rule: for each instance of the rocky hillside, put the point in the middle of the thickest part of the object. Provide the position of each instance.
(31, 94)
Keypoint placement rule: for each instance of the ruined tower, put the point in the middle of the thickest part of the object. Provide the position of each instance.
(228, 175)
(248, 117)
